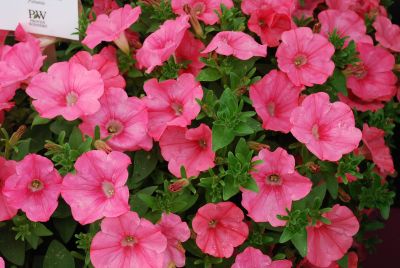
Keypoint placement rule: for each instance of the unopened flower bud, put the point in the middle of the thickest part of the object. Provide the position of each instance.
(103, 146)
(256, 146)
(16, 136)
(178, 185)
(314, 168)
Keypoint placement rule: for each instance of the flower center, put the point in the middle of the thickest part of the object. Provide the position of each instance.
(315, 131)
(108, 189)
(128, 241)
(36, 185)
(271, 108)
(359, 70)
(71, 98)
(199, 8)
(274, 180)
(114, 127)
(212, 223)
(178, 108)
(203, 143)
(300, 60)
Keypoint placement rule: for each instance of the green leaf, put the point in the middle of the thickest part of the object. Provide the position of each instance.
(149, 200)
(13, 250)
(230, 188)
(144, 164)
(338, 82)
(75, 139)
(317, 192)
(221, 136)
(344, 262)
(138, 204)
(57, 256)
(37, 120)
(65, 228)
(22, 149)
(332, 186)
(251, 185)
(41, 230)
(209, 75)
(299, 240)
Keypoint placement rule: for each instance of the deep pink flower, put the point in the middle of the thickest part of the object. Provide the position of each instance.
(269, 25)
(203, 9)
(98, 188)
(306, 8)
(128, 241)
(372, 78)
(112, 27)
(3, 36)
(327, 129)
(67, 89)
(279, 184)
(280, 6)
(274, 97)
(360, 105)
(6, 95)
(104, 6)
(254, 258)
(329, 242)
(190, 148)
(219, 228)
(7, 169)
(305, 57)
(161, 44)
(238, 44)
(340, 4)
(346, 23)
(176, 231)
(108, 68)
(368, 7)
(121, 117)
(34, 188)
(190, 50)
(387, 34)
(172, 103)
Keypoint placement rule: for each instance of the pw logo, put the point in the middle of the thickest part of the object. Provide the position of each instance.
(37, 14)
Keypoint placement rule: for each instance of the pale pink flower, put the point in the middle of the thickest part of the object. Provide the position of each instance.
(42, 40)
(112, 27)
(2, 264)
(203, 9)
(7, 169)
(190, 50)
(279, 184)
(372, 78)
(98, 188)
(67, 89)
(104, 6)
(254, 258)
(176, 231)
(161, 44)
(128, 241)
(104, 63)
(122, 118)
(327, 129)
(172, 103)
(274, 97)
(305, 57)
(358, 104)
(329, 242)
(190, 148)
(34, 188)
(219, 228)
(280, 6)
(346, 23)
(387, 34)
(237, 44)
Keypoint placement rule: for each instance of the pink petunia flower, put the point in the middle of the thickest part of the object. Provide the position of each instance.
(327, 129)
(279, 184)
(329, 242)
(6, 95)
(160, 45)
(67, 89)
(3, 36)
(305, 57)
(254, 258)
(2, 264)
(112, 27)
(98, 188)
(274, 97)
(342, 5)
(305, 9)
(172, 103)
(372, 78)
(7, 169)
(42, 40)
(237, 44)
(128, 241)
(203, 9)
(269, 25)
(176, 231)
(190, 148)
(280, 6)
(104, 63)
(219, 228)
(122, 118)
(387, 34)
(190, 50)
(34, 188)
(358, 104)
(104, 6)
(346, 23)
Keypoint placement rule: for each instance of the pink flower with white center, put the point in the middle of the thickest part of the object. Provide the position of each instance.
(7, 169)
(34, 188)
(112, 28)
(122, 118)
(372, 78)
(327, 129)
(190, 148)
(329, 242)
(190, 50)
(128, 241)
(98, 188)
(67, 89)
(280, 6)
(274, 97)
(108, 68)
(279, 185)
(172, 103)
(204, 10)
(162, 44)
(176, 231)
(219, 228)
(346, 23)
(387, 34)
(237, 44)
(305, 57)
(254, 258)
